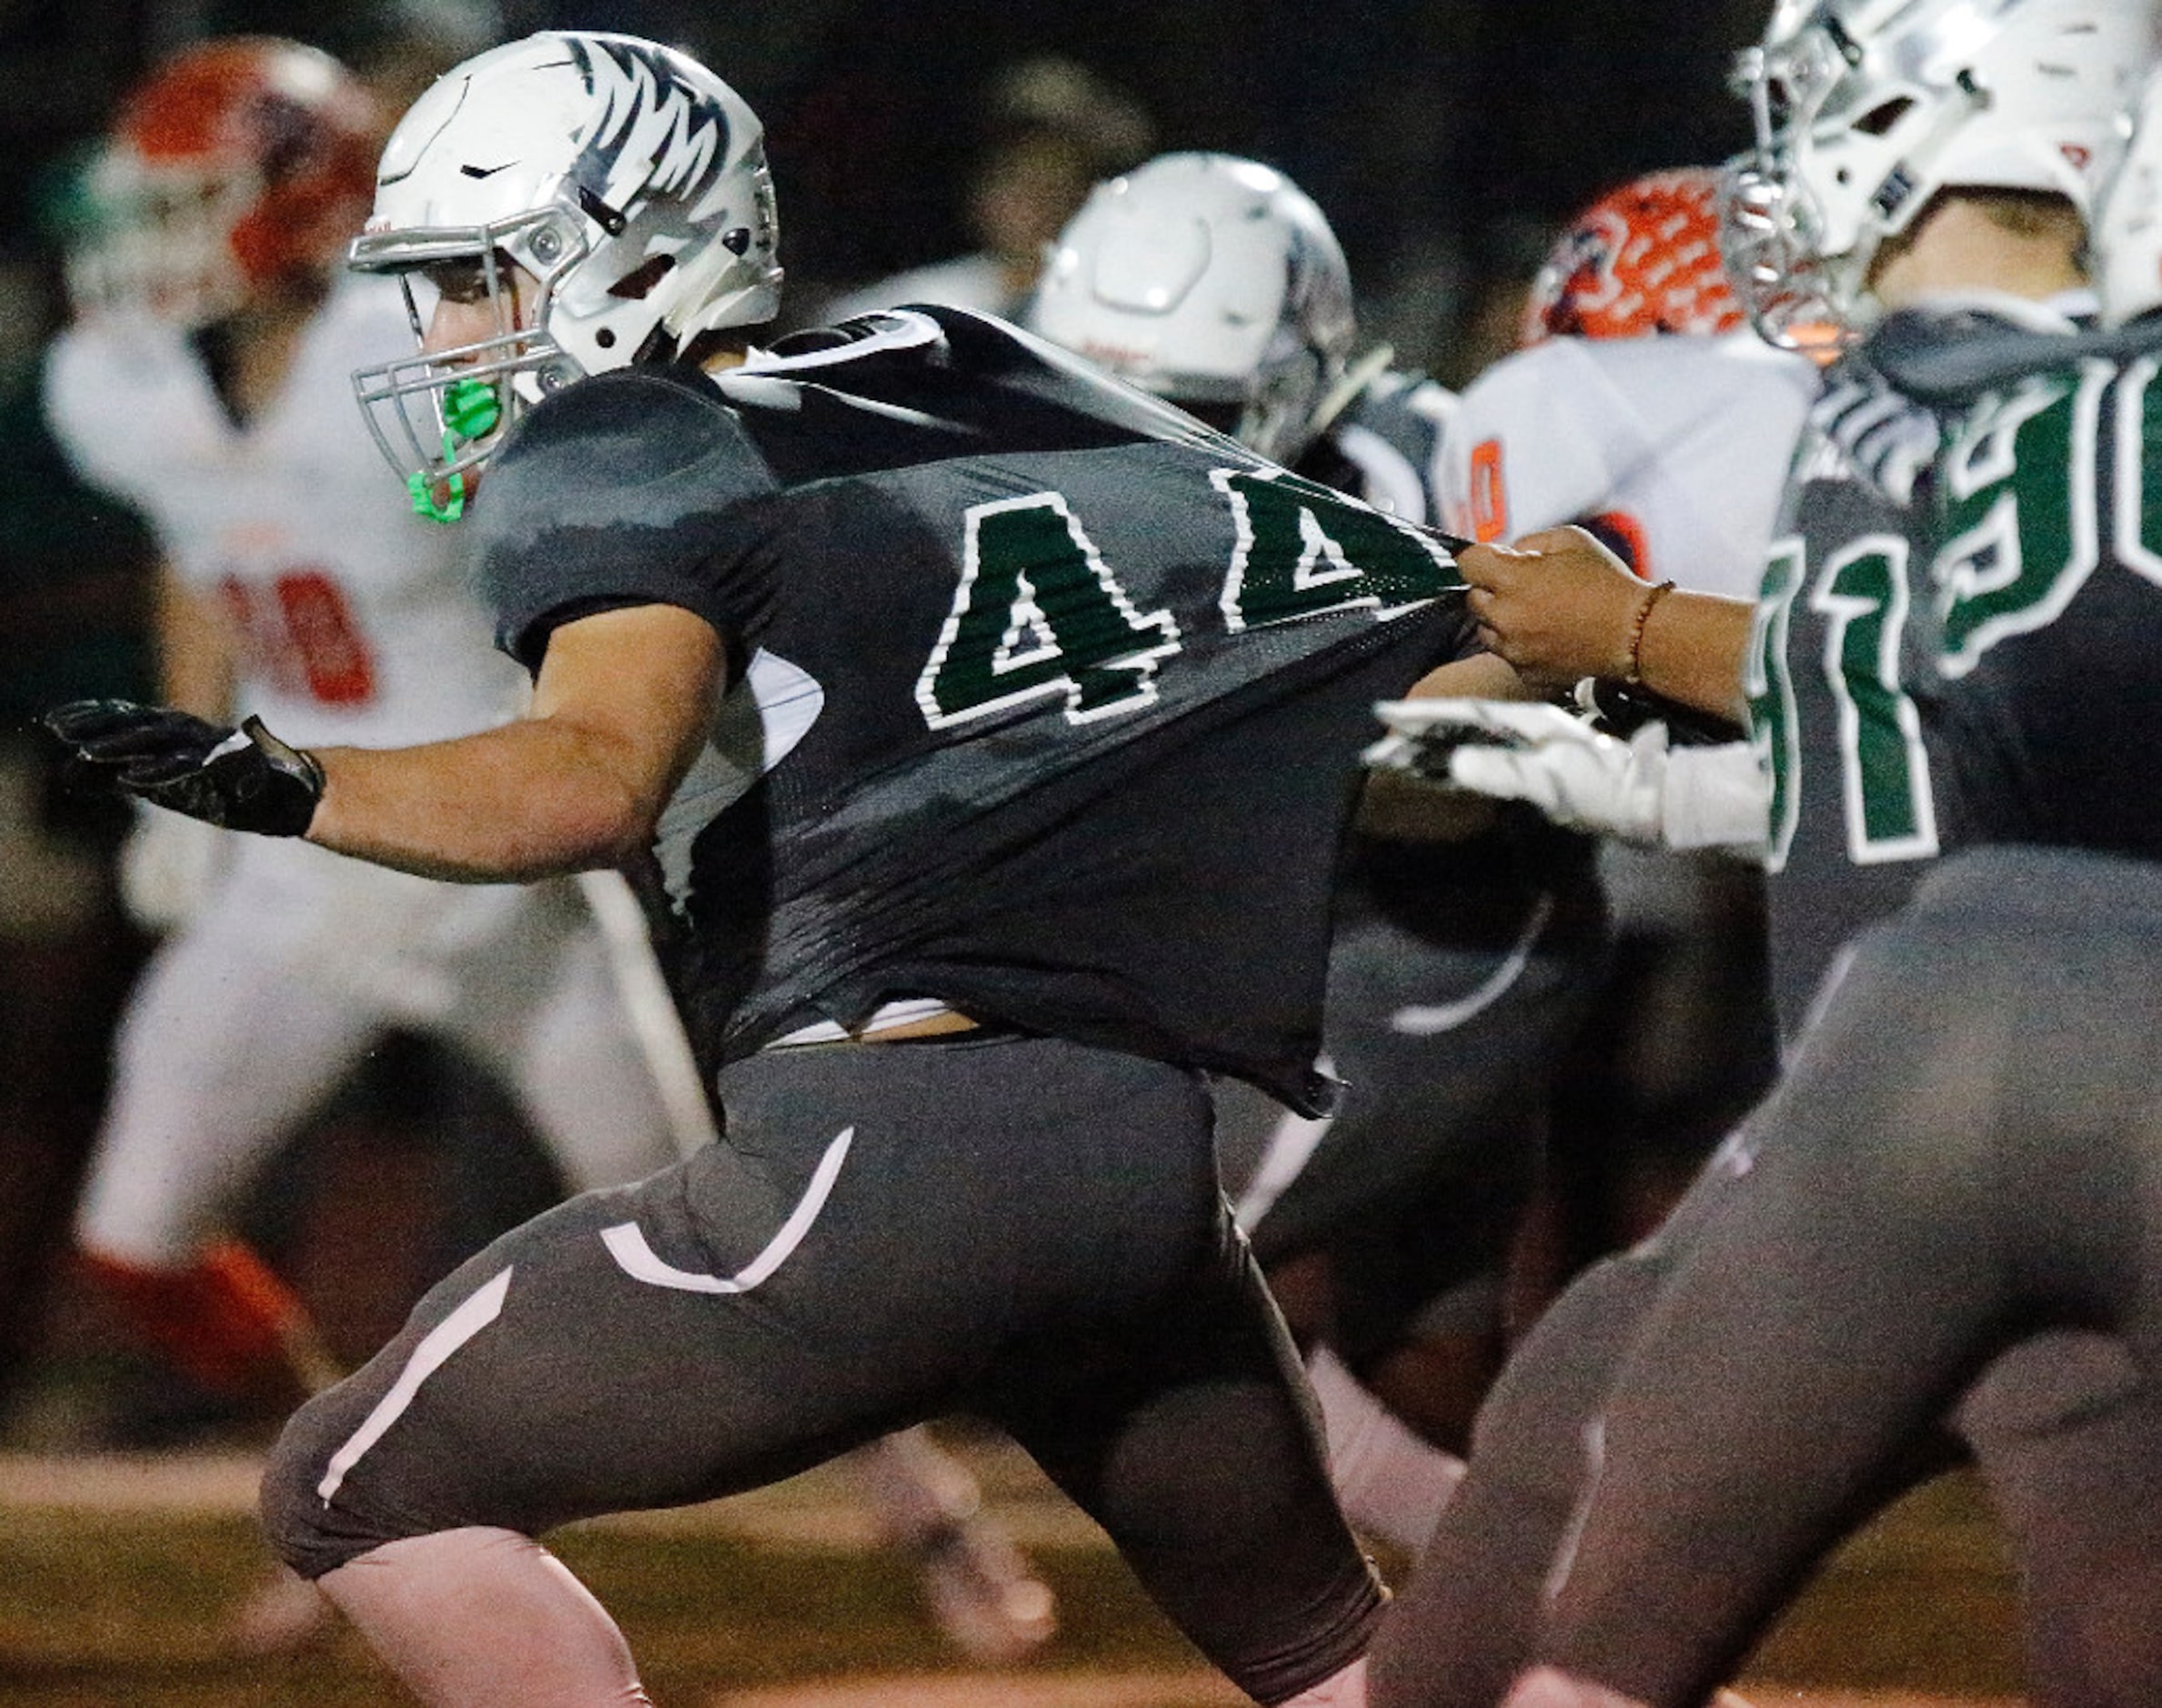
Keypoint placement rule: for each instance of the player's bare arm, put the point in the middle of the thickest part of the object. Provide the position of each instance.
(1559, 606)
(623, 702)
(195, 649)
(1482, 676)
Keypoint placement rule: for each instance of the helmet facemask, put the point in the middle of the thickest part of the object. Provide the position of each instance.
(1840, 163)
(438, 414)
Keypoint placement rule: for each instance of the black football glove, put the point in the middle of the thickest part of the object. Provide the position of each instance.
(244, 778)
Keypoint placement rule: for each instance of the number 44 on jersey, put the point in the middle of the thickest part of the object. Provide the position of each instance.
(1040, 613)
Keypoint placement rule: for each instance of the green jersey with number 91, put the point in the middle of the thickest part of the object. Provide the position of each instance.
(1981, 666)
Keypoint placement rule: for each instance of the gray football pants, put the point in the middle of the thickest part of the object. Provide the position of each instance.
(1962, 1173)
(1458, 975)
(1024, 1227)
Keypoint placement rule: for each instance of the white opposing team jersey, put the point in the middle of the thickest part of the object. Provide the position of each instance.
(350, 613)
(1677, 446)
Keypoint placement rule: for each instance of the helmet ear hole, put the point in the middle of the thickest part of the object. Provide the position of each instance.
(638, 282)
(1881, 117)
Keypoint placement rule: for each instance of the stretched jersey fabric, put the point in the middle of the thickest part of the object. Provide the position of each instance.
(353, 623)
(1059, 698)
(1671, 448)
(1387, 444)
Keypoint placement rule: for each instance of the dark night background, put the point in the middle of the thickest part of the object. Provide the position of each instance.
(1442, 137)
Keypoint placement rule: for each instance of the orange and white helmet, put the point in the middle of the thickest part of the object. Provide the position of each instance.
(1641, 259)
(239, 166)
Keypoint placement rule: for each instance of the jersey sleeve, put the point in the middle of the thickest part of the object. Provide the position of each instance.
(639, 487)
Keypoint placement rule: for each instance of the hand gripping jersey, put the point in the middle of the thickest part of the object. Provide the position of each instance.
(1672, 448)
(1059, 698)
(353, 623)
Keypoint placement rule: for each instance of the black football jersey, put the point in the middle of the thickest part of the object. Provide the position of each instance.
(1050, 702)
(2046, 593)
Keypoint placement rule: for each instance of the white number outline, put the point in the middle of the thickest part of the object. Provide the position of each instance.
(2131, 469)
(1841, 611)
(1318, 547)
(1769, 631)
(1993, 442)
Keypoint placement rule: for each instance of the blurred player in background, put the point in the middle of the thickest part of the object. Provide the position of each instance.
(1641, 405)
(212, 320)
(1463, 955)
(1051, 130)
(1835, 222)
(206, 380)
(211, 324)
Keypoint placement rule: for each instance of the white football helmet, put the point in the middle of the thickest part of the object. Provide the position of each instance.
(1213, 282)
(2128, 229)
(1867, 108)
(627, 179)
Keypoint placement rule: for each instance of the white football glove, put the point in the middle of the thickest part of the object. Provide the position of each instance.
(166, 866)
(1639, 790)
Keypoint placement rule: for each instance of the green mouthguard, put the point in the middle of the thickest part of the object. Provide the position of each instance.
(471, 408)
